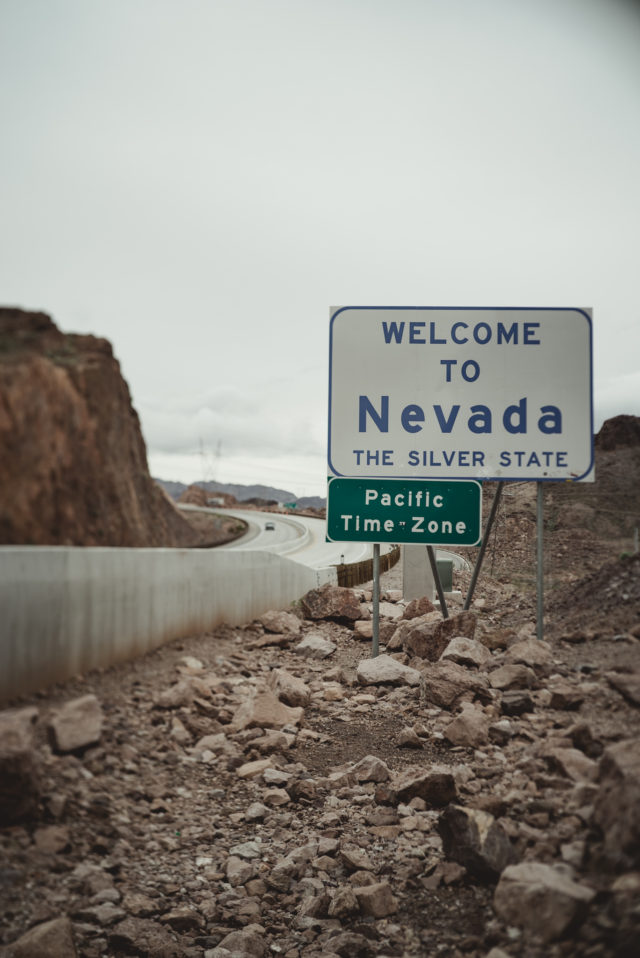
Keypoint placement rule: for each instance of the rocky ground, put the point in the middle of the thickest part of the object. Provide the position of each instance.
(272, 790)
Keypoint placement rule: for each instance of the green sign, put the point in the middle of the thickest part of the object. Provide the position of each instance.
(419, 511)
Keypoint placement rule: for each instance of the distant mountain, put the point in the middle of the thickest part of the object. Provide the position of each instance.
(242, 493)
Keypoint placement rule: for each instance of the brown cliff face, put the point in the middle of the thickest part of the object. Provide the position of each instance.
(73, 463)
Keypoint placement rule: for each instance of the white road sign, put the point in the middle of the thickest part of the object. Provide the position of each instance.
(461, 393)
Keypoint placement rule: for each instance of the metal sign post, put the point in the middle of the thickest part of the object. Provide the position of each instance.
(375, 644)
(539, 564)
(483, 546)
(436, 579)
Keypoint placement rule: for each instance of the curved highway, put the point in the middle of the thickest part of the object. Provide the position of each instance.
(302, 538)
(298, 537)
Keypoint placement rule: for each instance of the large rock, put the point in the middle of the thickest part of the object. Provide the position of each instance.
(447, 684)
(541, 899)
(19, 779)
(474, 838)
(371, 769)
(467, 652)
(531, 652)
(283, 623)
(513, 676)
(315, 646)
(570, 762)
(428, 637)
(418, 607)
(265, 710)
(617, 804)
(289, 688)
(331, 602)
(143, 936)
(470, 728)
(376, 900)
(627, 683)
(383, 670)
(77, 725)
(435, 785)
(51, 939)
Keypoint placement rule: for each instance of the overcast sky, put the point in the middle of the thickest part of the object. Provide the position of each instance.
(199, 180)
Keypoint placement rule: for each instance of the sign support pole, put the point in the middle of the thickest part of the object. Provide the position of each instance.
(540, 563)
(436, 579)
(483, 546)
(376, 601)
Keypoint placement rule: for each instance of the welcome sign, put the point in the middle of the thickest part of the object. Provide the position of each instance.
(461, 393)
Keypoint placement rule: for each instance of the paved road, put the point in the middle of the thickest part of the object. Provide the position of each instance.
(301, 538)
(298, 537)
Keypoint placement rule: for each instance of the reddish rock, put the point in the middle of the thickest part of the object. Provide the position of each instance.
(418, 607)
(428, 638)
(331, 602)
(447, 684)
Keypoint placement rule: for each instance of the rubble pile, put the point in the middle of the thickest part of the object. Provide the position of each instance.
(272, 790)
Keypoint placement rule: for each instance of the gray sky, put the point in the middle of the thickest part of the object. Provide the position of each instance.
(199, 180)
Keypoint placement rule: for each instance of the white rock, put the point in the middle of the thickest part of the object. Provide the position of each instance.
(385, 669)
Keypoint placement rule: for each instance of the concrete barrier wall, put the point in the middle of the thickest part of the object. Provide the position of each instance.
(64, 611)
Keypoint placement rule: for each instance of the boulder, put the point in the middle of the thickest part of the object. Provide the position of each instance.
(530, 652)
(571, 763)
(331, 602)
(376, 900)
(384, 669)
(246, 943)
(447, 684)
(541, 899)
(418, 607)
(617, 804)
(435, 785)
(429, 635)
(474, 839)
(77, 725)
(51, 938)
(19, 778)
(513, 676)
(265, 710)
(517, 702)
(363, 629)
(289, 688)
(371, 769)
(565, 697)
(467, 652)
(315, 646)
(470, 728)
(282, 623)
(627, 684)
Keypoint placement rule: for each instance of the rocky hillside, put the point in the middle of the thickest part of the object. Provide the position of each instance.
(73, 463)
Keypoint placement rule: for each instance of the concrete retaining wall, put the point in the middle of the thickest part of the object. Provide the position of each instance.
(64, 611)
